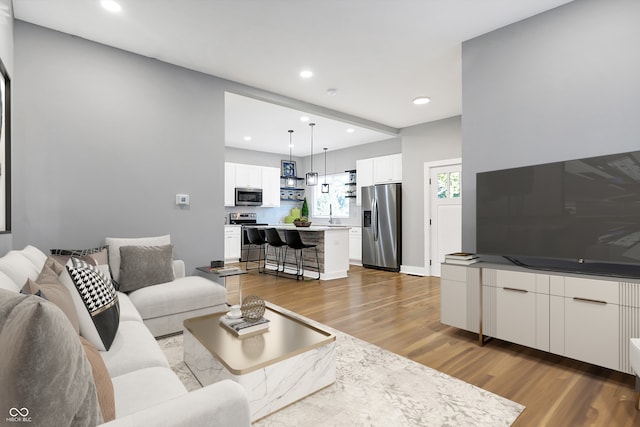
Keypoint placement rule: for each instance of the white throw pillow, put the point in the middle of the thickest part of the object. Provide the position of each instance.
(35, 255)
(114, 244)
(19, 268)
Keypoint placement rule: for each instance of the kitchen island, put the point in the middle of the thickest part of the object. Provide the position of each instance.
(333, 249)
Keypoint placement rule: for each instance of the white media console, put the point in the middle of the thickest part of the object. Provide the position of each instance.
(584, 317)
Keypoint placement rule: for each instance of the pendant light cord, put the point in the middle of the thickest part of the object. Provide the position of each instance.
(312, 125)
(290, 143)
(325, 164)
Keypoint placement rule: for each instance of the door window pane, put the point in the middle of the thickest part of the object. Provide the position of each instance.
(454, 184)
(449, 185)
(443, 185)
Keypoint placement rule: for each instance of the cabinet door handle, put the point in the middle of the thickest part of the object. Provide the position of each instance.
(594, 301)
(524, 291)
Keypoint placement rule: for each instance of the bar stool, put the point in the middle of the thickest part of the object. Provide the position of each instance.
(256, 237)
(294, 241)
(274, 241)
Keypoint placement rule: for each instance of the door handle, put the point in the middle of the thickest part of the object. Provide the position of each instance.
(593, 301)
(374, 214)
(523, 291)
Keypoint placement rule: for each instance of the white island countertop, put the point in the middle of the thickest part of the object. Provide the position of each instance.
(310, 228)
(332, 245)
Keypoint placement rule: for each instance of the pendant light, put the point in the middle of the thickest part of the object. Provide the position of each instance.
(325, 186)
(291, 180)
(312, 177)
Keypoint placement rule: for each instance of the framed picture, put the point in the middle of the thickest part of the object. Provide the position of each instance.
(5, 150)
(288, 168)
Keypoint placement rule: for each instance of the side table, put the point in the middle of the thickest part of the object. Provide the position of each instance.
(220, 274)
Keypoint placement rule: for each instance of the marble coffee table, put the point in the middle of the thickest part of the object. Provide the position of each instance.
(282, 365)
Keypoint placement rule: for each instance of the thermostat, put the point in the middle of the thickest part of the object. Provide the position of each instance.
(182, 199)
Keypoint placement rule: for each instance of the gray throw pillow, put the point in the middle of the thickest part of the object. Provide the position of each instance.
(44, 373)
(142, 266)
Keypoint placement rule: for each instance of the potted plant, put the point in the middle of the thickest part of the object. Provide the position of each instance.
(303, 221)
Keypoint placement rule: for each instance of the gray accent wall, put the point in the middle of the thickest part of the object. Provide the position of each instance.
(427, 142)
(6, 53)
(345, 159)
(103, 141)
(560, 85)
(258, 158)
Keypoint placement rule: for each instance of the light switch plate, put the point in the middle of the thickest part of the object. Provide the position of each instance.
(182, 199)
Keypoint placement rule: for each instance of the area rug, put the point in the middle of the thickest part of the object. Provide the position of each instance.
(375, 387)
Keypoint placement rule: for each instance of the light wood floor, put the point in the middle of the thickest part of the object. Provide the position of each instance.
(401, 313)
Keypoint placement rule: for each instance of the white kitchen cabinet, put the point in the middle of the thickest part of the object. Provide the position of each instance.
(387, 169)
(252, 176)
(229, 184)
(364, 174)
(270, 187)
(232, 242)
(377, 170)
(248, 176)
(355, 245)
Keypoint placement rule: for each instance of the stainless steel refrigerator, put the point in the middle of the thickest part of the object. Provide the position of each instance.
(381, 226)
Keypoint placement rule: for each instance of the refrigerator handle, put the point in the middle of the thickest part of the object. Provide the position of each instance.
(374, 212)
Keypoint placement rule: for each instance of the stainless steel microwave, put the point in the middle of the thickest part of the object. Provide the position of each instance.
(248, 196)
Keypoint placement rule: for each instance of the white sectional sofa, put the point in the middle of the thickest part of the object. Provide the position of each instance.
(146, 391)
(165, 306)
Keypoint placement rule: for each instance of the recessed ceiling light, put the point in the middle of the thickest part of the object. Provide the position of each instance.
(332, 92)
(111, 6)
(305, 74)
(421, 100)
(247, 138)
(350, 130)
(304, 119)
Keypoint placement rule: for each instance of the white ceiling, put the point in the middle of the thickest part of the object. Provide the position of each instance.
(377, 54)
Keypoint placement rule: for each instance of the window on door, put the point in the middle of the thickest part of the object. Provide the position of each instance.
(449, 185)
(334, 203)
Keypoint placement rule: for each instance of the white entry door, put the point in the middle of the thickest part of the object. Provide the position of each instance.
(445, 200)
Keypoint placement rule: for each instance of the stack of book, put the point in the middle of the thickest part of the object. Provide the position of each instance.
(461, 258)
(242, 327)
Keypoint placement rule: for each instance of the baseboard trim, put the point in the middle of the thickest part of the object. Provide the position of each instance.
(413, 270)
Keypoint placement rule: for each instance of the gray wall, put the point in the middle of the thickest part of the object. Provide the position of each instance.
(345, 159)
(6, 53)
(104, 139)
(428, 142)
(259, 158)
(560, 85)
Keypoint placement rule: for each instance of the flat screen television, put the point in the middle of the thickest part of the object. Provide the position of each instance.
(578, 215)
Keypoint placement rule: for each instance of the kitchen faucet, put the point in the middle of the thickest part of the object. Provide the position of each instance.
(330, 214)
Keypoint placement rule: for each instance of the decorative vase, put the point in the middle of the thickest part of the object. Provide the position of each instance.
(305, 208)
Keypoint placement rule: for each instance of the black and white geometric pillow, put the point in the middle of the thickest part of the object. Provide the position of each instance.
(77, 252)
(63, 255)
(100, 301)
